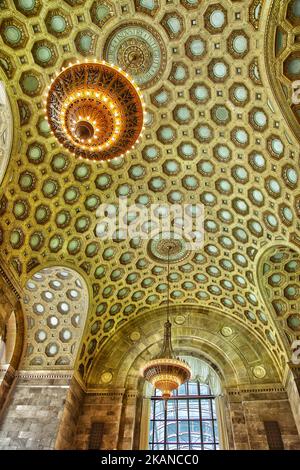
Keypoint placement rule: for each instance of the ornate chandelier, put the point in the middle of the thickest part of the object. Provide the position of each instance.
(95, 110)
(166, 372)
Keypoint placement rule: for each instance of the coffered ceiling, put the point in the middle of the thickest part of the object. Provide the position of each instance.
(214, 134)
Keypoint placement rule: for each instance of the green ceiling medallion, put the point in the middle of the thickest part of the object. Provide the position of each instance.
(71, 195)
(58, 23)
(140, 46)
(56, 243)
(43, 127)
(92, 202)
(28, 7)
(74, 246)
(31, 83)
(63, 219)
(44, 53)
(50, 188)
(16, 238)
(85, 42)
(27, 181)
(36, 153)
(60, 162)
(13, 33)
(21, 209)
(101, 12)
(36, 241)
(42, 214)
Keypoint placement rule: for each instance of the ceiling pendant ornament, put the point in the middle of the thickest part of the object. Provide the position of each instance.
(166, 372)
(140, 48)
(95, 110)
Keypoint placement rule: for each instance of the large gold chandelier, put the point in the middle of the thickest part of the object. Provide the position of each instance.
(95, 110)
(166, 372)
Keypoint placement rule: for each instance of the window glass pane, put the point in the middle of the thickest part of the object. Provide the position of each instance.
(204, 389)
(207, 431)
(182, 390)
(151, 430)
(205, 409)
(159, 434)
(171, 409)
(182, 409)
(183, 431)
(216, 431)
(158, 447)
(171, 431)
(193, 388)
(171, 446)
(195, 431)
(208, 447)
(214, 409)
(194, 409)
(159, 409)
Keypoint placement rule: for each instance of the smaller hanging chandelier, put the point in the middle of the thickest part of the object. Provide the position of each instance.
(166, 372)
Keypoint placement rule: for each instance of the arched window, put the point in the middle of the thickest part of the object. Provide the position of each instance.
(188, 421)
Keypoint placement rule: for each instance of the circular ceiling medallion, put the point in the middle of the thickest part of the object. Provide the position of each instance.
(226, 331)
(95, 110)
(259, 372)
(179, 319)
(135, 336)
(138, 49)
(106, 377)
(166, 244)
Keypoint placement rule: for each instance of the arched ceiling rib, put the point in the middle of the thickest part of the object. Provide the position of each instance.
(214, 135)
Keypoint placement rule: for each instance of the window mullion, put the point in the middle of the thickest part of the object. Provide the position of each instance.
(177, 424)
(200, 416)
(212, 422)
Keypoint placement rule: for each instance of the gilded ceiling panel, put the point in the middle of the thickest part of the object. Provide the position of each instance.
(214, 135)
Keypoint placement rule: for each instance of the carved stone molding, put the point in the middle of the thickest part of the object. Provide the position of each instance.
(6, 131)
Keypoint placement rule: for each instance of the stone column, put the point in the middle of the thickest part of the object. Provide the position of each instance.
(104, 407)
(127, 424)
(34, 410)
(236, 420)
(292, 385)
(251, 405)
(71, 412)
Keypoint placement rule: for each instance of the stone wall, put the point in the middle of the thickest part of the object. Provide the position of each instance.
(103, 407)
(71, 412)
(33, 411)
(52, 412)
(248, 409)
(293, 391)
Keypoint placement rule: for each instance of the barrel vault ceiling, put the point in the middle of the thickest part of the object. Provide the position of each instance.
(214, 134)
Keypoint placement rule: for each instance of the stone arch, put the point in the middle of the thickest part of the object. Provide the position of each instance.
(6, 130)
(277, 276)
(11, 326)
(280, 23)
(235, 356)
